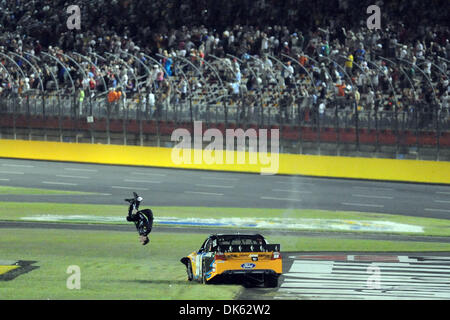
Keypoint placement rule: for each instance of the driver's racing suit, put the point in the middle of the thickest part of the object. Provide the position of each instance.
(143, 219)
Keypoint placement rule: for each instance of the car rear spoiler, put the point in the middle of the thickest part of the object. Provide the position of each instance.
(249, 248)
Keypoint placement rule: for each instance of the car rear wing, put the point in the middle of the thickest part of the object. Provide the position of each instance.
(249, 248)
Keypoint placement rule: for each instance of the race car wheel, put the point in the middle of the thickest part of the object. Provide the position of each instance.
(270, 281)
(189, 271)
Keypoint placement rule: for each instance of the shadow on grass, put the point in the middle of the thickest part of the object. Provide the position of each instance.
(186, 282)
(245, 283)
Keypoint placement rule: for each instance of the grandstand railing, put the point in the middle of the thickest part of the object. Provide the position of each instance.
(63, 118)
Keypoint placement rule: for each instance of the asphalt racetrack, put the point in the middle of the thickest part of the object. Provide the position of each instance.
(312, 275)
(169, 187)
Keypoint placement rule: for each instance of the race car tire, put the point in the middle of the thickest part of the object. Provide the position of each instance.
(189, 271)
(270, 281)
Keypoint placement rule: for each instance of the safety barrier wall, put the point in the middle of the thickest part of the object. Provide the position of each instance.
(328, 134)
(288, 164)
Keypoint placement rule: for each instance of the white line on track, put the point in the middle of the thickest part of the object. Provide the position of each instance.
(280, 199)
(436, 210)
(317, 283)
(364, 292)
(204, 193)
(11, 172)
(149, 174)
(338, 275)
(290, 191)
(4, 179)
(72, 177)
(59, 183)
(84, 170)
(299, 183)
(213, 186)
(442, 201)
(17, 165)
(141, 181)
(219, 178)
(400, 268)
(371, 196)
(443, 192)
(348, 279)
(129, 188)
(372, 188)
(362, 204)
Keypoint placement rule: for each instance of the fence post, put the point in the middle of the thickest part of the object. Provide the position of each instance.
(44, 116)
(317, 118)
(238, 113)
(91, 127)
(269, 116)
(299, 104)
(261, 122)
(416, 121)
(124, 122)
(59, 122)
(139, 115)
(14, 121)
(158, 118)
(91, 124)
(337, 129)
(280, 122)
(108, 122)
(357, 125)
(397, 131)
(216, 108)
(438, 133)
(377, 131)
(29, 120)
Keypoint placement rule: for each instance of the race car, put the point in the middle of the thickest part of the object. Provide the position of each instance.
(243, 257)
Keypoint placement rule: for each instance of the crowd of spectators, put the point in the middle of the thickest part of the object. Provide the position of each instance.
(256, 52)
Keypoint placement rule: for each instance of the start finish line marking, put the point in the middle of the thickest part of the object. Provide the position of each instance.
(358, 258)
(366, 276)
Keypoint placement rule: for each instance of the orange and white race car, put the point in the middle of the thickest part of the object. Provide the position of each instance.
(247, 257)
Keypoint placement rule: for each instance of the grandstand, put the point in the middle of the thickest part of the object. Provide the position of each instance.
(137, 70)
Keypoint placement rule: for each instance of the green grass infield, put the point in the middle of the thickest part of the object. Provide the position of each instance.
(114, 265)
(263, 219)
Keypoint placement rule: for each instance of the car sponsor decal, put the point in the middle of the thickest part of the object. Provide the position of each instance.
(210, 271)
(248, 265)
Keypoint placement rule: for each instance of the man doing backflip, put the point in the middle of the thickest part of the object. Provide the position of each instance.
(143, 219)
